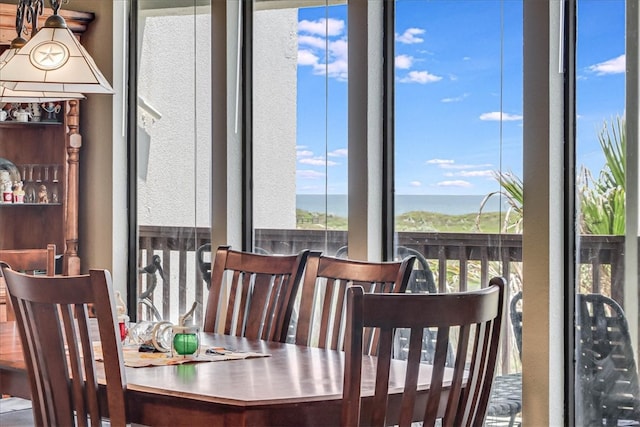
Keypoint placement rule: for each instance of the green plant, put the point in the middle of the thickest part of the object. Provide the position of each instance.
(512, 191)
(602, 200)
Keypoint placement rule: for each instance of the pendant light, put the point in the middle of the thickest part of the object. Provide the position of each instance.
(16, 96)
(53, 61)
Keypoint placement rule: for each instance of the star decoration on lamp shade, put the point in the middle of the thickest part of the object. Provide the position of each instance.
(49, 55)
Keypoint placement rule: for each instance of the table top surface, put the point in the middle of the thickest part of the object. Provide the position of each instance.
(291, 374)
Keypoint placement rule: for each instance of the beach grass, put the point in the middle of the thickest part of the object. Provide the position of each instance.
(490, 222)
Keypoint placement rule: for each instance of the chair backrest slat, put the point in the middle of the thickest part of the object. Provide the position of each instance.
(468, 316)
(250, 293)
(53, 320)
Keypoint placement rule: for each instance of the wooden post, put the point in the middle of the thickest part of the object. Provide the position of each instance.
(74, 142)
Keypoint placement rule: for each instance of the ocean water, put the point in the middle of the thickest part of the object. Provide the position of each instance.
(336, 204)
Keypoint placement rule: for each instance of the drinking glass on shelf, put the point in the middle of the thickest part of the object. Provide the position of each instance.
(23, 173)
(55, 185)
(45, 173)
(37, 174)
(45, 181)
(41, 188)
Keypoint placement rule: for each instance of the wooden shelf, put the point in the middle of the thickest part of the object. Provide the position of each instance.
(16, 123)
(28, 205)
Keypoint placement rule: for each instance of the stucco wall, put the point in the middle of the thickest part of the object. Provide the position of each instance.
(274, 115)
(174, 151)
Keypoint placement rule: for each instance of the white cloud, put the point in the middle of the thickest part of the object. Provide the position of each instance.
(451, 164)
(466, 58)
(337, 65)
(309, 174)
(336, 69)
(415, 184)
(306, 57)
(439, 161)
(312, 41)
(463, 166)
(497, 116)
(422, 77)
(455, 99)
(322, 27)
(304, 153)
(472, 174)
(404, 62)
(410, 36)
(340, 152)
(612, 66)
(456, 183)
(317, 161)
(339, 48)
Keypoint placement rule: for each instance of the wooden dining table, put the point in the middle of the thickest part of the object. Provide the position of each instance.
(293, 386)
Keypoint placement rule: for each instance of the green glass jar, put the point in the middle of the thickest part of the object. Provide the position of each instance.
(186, 340)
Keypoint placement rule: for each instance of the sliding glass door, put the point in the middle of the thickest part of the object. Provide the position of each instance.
(173, 155)
(607, 274)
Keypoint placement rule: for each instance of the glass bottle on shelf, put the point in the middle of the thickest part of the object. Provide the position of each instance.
(41, 188)
(29, 187)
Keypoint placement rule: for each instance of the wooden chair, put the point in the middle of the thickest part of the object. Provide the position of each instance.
(320, 320)
(474, 317)
(28, 261)
(250, 292)
(52, 318)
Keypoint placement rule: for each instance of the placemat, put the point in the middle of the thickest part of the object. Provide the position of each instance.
(136, 359)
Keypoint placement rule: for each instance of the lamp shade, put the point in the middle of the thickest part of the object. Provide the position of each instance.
(7, 55)
(53, 61)
(21, 96)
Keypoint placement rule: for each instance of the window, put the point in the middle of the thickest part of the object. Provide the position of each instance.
(173, 156)
(458, 156)
(299, 127)
(606, 278)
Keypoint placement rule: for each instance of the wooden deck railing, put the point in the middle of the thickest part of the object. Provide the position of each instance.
(459, 261)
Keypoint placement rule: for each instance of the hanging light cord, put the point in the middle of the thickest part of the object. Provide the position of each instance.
(55, 5)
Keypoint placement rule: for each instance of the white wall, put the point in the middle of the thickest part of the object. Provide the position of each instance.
(173, 178)
(175, 150)
(274, 115)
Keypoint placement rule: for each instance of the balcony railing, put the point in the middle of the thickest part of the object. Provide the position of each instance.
(459, 261)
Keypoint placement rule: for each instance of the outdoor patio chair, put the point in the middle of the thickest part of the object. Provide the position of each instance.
(607, 376)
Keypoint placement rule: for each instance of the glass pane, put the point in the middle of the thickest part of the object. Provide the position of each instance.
(300, 127)
(458, 159)
(606, 377)
(174, 155)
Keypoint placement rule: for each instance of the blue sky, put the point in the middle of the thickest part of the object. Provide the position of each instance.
(455, 80)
